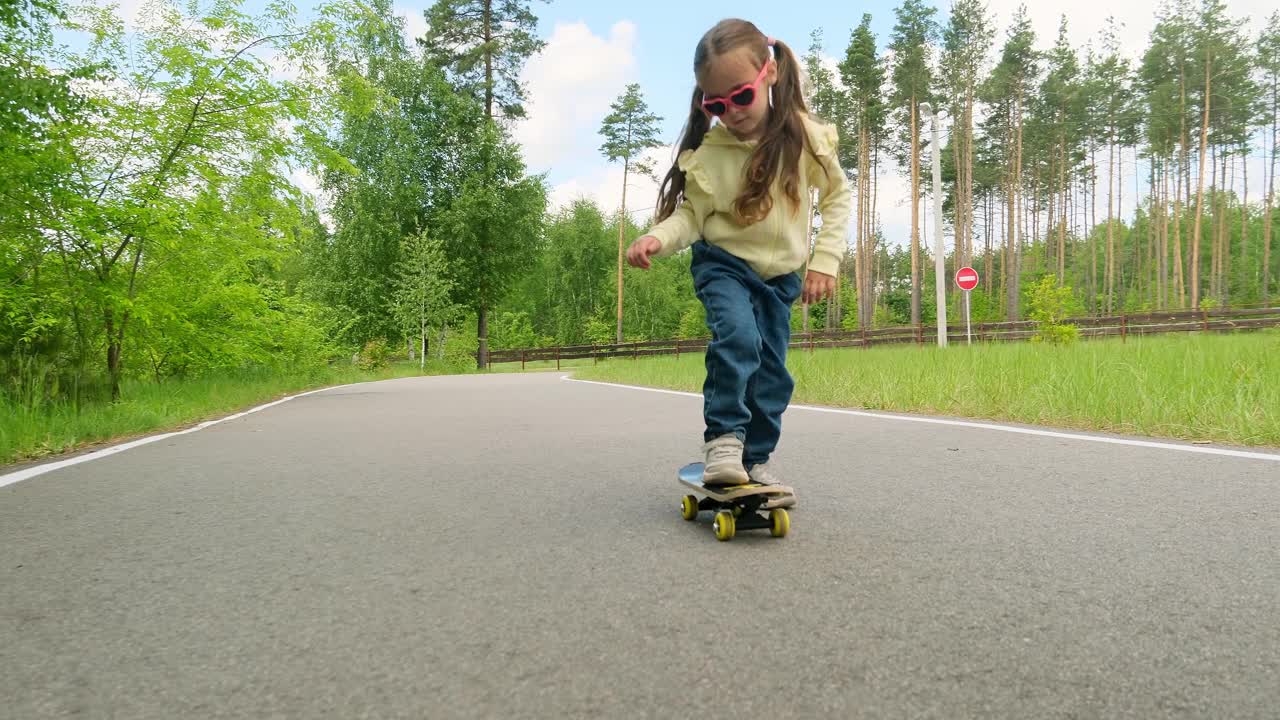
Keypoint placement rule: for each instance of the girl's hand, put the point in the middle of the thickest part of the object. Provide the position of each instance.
(817, 286)
(640, 251)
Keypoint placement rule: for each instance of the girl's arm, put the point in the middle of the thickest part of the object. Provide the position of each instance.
(684, 226)
(834, 203)
(834, 199)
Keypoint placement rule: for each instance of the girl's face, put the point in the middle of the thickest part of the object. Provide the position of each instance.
(725, 76)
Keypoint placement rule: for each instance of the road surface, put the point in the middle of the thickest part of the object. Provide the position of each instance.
(510, 546)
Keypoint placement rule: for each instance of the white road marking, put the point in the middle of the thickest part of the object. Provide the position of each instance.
(27, 474)
(983, 426)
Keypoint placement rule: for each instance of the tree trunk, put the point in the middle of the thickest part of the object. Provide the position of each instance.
(113, 354)
(1090, 232)
(482, 331)
(488, 59)
(1162, 290)
(1178, 268)
(622, 227)
(1014, 198)
(1204, 146)
(1271, 189)
(986, 245)
(1111, 224)
(1244, 221)
(915, 215)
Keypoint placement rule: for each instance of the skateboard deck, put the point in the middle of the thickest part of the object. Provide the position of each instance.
(737, 507)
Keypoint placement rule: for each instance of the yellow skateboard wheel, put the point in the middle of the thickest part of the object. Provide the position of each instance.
(689, 508)
(780, 522)
(724, 525)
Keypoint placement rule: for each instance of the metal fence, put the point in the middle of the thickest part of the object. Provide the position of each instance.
(1229, 319)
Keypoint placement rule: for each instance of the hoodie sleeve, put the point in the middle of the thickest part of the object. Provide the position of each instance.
(684, 227)
(834, 202)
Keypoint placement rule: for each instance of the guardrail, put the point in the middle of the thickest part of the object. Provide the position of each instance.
(1122, 326)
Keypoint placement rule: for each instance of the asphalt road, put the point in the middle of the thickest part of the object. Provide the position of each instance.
(510, 546)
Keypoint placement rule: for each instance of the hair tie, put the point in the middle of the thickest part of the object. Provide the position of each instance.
(770, 42)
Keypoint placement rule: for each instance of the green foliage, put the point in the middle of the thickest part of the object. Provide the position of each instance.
(484, 46)
(693, 322)
(1050, 305)
(629, 130)
(421, 300)
(373, 355)
(512, 330)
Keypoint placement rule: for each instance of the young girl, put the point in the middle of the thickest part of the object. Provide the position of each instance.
(740, 188)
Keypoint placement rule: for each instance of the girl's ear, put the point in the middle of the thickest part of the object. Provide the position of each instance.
(771, 75)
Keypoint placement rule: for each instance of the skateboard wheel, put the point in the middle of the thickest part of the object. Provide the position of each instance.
(689, 508)
(724, 525)
(780, 522)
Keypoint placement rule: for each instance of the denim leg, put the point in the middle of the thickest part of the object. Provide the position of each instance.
(771, 387)
(733, 355)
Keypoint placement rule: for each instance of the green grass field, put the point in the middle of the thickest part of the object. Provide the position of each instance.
(1219, 388)
(27, 434)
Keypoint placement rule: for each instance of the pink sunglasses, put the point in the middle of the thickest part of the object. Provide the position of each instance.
(742, 96)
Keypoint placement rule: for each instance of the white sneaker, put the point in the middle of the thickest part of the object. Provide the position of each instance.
(760, 473)
(723, 464)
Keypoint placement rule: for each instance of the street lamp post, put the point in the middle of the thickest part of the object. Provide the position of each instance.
(939, 260)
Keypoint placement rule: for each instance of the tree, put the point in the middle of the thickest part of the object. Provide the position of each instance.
(1007, 91)
(966, 42)
(493, 227)
(577, 265)
(422, 289)
(1060, 109)
(397, 134)
(912, 85)
(1113, 97)
(628, 132)
(1269, 61)
(484, 45)
(197, 110)
(831, 102)
(863, 76)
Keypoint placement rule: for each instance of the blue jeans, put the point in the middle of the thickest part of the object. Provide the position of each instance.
(747, 387)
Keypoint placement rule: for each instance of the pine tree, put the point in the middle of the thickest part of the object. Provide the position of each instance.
(863, 75)
(1269, 62)
(913, 84)
(1007, 92)
(628, 132)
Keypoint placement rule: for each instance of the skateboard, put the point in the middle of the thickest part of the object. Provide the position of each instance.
(737, 507)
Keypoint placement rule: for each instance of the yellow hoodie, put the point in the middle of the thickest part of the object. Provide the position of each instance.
(777, 244)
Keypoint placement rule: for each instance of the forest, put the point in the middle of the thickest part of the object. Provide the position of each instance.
(152, 226)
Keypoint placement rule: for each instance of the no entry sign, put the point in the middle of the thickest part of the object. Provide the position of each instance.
(967, 278)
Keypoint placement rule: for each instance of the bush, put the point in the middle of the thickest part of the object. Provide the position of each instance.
(1050, 305)
(373, 356)
(693, 323)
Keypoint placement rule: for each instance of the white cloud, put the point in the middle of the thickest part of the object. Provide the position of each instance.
(415, 23)
(604, 186)
(1086, 20)
(571, 84)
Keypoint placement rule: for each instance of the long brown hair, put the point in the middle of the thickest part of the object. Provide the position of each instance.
(784, 136)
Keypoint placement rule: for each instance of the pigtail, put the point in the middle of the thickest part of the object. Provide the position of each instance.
(695, 129)
(778, 154)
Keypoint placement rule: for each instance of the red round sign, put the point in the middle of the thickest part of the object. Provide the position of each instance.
(967, 278)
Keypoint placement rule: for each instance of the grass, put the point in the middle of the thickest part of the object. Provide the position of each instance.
(28, 434)
(1213, 388)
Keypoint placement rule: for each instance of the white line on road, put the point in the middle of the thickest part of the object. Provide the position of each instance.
(983, 426)
(27, 474)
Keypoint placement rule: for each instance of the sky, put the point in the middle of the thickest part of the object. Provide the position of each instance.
(595, 48)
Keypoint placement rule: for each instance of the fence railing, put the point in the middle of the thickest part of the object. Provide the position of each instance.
(1122, 326)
